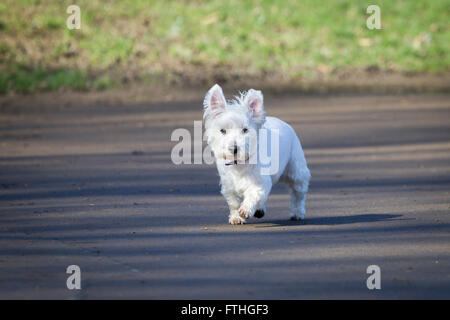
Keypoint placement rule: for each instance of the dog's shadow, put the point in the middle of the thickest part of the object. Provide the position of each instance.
(323, 221)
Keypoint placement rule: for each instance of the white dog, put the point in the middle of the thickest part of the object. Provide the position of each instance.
(230, 128)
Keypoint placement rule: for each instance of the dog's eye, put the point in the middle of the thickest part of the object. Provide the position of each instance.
(245, 130)
(223, 131)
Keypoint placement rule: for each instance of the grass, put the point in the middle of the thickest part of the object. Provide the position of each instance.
(25, 81)
(123, 40)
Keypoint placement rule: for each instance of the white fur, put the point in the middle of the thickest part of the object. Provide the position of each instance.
(244, 187)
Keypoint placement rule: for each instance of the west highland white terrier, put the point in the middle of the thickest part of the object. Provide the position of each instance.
(233, 130)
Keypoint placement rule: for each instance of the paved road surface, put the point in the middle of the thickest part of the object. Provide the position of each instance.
(94, 186)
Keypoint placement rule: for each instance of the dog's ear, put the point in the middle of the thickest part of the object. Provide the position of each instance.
(255, 102)
(214, 103)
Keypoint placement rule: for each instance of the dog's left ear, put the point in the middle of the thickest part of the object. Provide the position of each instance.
(214, 103)
(255, 102)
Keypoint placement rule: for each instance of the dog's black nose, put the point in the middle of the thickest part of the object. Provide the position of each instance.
(235, 150)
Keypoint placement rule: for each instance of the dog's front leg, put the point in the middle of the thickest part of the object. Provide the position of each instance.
(254, 198)
(233, 202)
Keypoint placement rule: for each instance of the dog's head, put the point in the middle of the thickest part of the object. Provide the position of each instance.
(231, 128)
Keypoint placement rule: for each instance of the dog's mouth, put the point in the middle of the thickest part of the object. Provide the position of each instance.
(235, 161)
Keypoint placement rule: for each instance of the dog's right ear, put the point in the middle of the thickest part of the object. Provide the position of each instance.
(255, 103)
(214, 103)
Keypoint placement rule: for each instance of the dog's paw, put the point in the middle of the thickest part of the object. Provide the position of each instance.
(259, 213)
(244, 213)
(296, 217)
(236, 220)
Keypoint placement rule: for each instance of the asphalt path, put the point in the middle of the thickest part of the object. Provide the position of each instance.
(94, 186)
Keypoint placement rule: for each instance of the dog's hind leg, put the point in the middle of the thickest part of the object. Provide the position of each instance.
(298, 192)
(298, 177)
